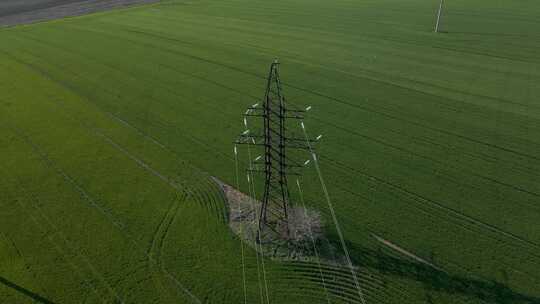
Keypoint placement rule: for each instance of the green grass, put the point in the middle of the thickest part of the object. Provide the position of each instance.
(112, 123)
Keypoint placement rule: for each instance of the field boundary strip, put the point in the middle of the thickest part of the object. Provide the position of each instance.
(24, 14)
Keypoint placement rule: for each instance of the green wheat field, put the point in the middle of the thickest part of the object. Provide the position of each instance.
(113, 124)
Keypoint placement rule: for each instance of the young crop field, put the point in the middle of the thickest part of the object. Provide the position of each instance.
(113, 125)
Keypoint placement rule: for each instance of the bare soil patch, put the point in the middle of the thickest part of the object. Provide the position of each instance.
(14, 12)
(306, 242)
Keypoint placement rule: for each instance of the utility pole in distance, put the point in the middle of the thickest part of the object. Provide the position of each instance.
(439, 16)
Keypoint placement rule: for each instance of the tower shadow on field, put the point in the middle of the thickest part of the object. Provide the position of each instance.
(36, 297)
(437, 280)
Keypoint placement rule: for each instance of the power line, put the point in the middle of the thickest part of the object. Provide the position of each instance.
(333, 213)
(313, 241)
(241, 227)
(261, 292)
(251, 185)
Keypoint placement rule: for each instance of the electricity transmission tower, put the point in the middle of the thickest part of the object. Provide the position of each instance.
(277, 139)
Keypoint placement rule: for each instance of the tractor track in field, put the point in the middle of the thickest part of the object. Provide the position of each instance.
(426, 211)
(143, 165)
(449, 168)
(479, 176)
(155, 252)
(117, 146)
(339, 282)
(438, 205)
(196, 171)
(200, 195)
(338, 100)
(452, 134)
(52, 165)
(367, 38)
(345, 103)
(68, 87)
(476, 227)
(16, 12)
(394, 117)
(111, 218)
(434, 160)
(69, 253)
(516, 189)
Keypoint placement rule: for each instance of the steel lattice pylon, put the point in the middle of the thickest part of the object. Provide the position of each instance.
(276, 140)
